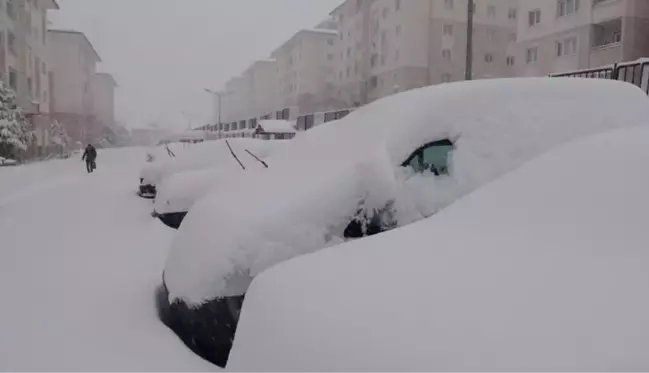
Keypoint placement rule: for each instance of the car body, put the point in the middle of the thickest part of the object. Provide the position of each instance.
(366, 173)
(544, 269)
(213, 154)
(178, 192)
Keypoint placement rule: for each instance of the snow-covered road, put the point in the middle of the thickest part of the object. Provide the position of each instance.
(80, 257)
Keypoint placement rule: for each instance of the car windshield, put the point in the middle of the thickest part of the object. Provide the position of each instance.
(218, 141)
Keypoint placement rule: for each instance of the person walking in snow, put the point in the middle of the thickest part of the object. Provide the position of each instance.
(90, 155)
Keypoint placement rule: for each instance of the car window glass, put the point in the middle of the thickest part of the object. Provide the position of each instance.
(435, 158)
(432, 157)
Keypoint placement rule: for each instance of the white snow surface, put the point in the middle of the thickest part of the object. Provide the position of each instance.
(544, 269)
(208, 154)
(179, 191)
(276, 126)
(316, 183)
(80, 258)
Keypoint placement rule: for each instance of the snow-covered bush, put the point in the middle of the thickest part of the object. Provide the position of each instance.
(13, 124)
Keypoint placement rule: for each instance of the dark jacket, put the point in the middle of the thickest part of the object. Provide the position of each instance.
(90, 154)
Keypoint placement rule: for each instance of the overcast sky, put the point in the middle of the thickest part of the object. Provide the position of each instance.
(163, 53)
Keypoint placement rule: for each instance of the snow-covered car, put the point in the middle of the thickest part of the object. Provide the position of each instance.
(200, 156)
(157, 157)
(177, 193)
(390, 163)
(7, 162)
(544, 269)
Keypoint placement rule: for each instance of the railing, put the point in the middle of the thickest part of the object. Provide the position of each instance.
(634, 72)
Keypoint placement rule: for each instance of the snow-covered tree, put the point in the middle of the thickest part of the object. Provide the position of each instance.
(14, 134)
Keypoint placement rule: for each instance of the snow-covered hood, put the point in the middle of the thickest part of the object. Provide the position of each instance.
(317, 182)
(543, 270)
(205, 155)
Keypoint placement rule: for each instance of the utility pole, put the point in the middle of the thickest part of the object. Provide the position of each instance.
(469, 41)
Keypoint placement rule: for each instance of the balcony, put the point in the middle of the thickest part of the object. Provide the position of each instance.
(604, 10)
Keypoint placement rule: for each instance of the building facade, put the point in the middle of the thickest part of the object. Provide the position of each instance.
(564, 35)
(74, 62)
(305, 72)
(103, 90)
(261, 91)
(388, 46)
(24, 62)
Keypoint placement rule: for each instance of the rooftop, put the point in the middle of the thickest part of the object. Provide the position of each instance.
(77, 33)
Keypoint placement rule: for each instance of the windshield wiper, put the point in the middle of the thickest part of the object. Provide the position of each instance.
(257, 158)
(234, 155)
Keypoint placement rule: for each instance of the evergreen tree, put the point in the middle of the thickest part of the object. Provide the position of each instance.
(14, 134)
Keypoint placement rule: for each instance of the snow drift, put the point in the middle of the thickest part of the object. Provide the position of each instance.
(319, 180)
(543, 270)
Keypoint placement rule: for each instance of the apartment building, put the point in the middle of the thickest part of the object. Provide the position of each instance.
(494, 39)
(24, 61)
(261, 88)
(564, 35)
(74, 61)
(233, 101)
(103, 91)
(305, 71)
(351, 51)
(387, 46)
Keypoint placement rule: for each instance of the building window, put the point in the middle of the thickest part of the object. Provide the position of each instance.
(374, 60)
(488, 57)
(383, 59)
(398, 30)
(448, 4)
(567, 7)
(373, 82)
(534, 17)
(446, 78)
(349, 52)
(396, 56)
(491, 34)
(11, 41)
(511, 60)
(330, 57)
(330, 41)
(446, 54)
(491, 11)
(532, 55)
(13, 78)
(567, 46)
(10, 9)
(513, 13)
(448, 30)
(397, 5)
(385, 12)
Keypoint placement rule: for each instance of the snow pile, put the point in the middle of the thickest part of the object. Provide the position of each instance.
(209, 154)
(276, 126)
(317, 182)
(543, 270)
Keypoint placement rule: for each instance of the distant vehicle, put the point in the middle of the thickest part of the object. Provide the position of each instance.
(385, 165)
(541, 270)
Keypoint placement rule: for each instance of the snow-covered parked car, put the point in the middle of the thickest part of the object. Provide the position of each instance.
(393, 162)
(178, 192)
(544, 269)
(157, 158)
(200, 156)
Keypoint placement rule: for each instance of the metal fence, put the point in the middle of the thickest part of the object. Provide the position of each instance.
(635, 72)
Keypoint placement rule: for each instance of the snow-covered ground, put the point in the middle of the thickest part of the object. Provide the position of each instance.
(80, 257)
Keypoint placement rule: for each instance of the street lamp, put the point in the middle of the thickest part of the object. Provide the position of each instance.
(219, 95)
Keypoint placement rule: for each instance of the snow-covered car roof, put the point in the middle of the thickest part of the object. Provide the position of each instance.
(317, 182)
(544, 269)
(208, 154)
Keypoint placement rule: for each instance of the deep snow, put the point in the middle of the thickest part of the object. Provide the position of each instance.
(80, 257)
(316, 183)
(544, 269)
